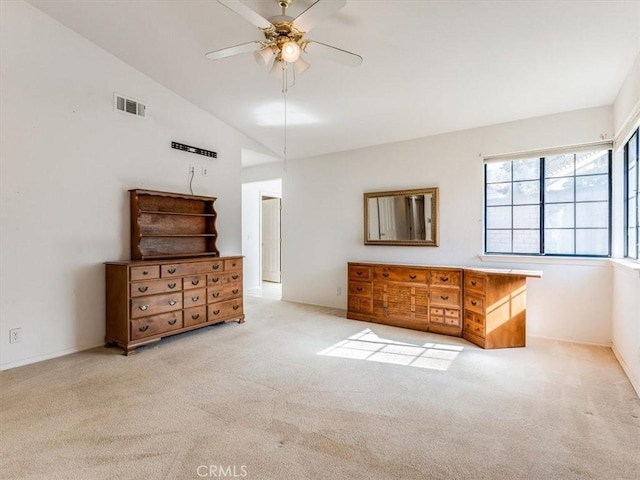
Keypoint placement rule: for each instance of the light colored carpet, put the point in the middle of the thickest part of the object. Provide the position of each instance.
(258, 401)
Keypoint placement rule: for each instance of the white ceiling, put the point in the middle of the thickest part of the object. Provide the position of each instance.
(429, 66)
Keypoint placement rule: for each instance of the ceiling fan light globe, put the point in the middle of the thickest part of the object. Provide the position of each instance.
(300, 66)
(265, 57)
(276, 69)
(290, 52)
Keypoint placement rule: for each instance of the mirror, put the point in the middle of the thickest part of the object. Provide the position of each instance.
(405, 217)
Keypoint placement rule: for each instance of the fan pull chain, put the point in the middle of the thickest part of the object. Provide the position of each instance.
(284, 95)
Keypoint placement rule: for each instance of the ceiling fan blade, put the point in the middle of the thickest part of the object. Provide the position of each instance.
(236, 50)
(333, 53)
(317, 12)
(246, 13)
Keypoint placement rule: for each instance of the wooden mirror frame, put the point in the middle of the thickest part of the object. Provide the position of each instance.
(432, 242)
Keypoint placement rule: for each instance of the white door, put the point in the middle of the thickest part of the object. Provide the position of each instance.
(271, 239)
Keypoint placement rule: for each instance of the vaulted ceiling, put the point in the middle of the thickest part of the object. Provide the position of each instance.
(429, 66)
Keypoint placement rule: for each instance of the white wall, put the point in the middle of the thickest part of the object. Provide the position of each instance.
(626, 108)
(67, 161)
(252, 227)
(323, 225)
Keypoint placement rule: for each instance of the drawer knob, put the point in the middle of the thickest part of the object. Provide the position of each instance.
(143, 289)
(172, 285)
(444, 297)
(195, 299)
(143, 307)
(172, 321)
(215, 280)
(412, 277)
(216, 312)
(195, 316)
(235, 307)
(358, 273)
(143, 328)
(235, 277)
(359, 289)
(145, 273)
(233, 264)
(474, 303)
(172, 302)
(444, 279)
(385, 275)
(215, 266)
(235, 291)
(473, 283)
(195, 282)
(171, 270)
(215, 294)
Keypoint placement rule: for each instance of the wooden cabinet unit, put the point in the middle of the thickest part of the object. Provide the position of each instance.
(487, 307)
(149, 300)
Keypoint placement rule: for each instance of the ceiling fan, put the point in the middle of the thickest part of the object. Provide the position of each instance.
(284, 39)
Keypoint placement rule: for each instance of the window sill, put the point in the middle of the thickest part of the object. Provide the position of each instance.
(581, 261)
(626, 265)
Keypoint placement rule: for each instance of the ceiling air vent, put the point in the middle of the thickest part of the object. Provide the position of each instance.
(127, 105)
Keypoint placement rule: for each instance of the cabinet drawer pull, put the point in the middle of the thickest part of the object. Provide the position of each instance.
(412, 277)
(143, 328)
(172, 322)
(195, 299)
(235, 277)
(145, 273)
(143, 289)
(444, 279)
(385, 275)
(196, 316)
(215, 280)
(235, 307)
(143, 307)
(359, 289)
(233, 264)
(171, 270)
(235, 291)
(216, 312)
(359, 273)
(473, 283)
(172, 302)
(215, 266)
(171, 285)
(474, 303)
(444, 297)
(215, 294)
(195, 282)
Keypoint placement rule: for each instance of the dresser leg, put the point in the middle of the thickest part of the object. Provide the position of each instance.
(241, 320)
(129, 350)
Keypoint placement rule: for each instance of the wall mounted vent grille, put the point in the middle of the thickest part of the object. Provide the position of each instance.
(127, 105)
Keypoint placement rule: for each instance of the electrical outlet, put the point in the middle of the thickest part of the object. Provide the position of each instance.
(339, 291)
(204, 171)
(14, 335)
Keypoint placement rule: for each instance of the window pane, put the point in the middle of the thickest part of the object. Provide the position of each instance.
(559, 165)
(526, 241)
(633, 148)
(631, 217)
(499, 241)
(498, 172)
(592, 242)
(632, 186)
(633, 249)
(526, 192)
(498, 217)
(499, 194)
(526, 217)
(593, 187)
(559, 215)
(558, 241)
(559, 190)
(592, 162)
(593, 214)
(528, 169)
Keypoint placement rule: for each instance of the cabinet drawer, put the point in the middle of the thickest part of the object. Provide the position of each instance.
(139, 289)
(223, 292)
(154, 304)
(218, 311)
(191, 268)
(400, 274)
(444, 297)
(216, 279)
(446, 278)
(473, 318)
(194, 298)
(361, 289)
(232, 265)
(452, 313)
(360, 304)
(359, 272)
(145, 272)
(195, 316)
(194, 281)
(452, 321)
(155, 325)
(474, 282)
(473, 328)
(436, 312)
(439, 319)
(473, 303)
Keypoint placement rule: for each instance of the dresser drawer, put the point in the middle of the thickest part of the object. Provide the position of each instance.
(156, 324)
(473, 282)
(473, 318)
(223, 292)
(446, 278)
(452, 321)
(139, 289)
(218, 311)
(194, 281)
(195, 316)
(474, 328)
(444, 297)
(144, 272)
(154, 304)
(194, 298)
(191, 268)
(361, 289)
(400, 274)
(232, 265)
(223, 279)
(474, 303)
(360, 272)
(358, 304)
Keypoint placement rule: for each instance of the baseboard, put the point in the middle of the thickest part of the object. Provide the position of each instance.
(572, 340)
(635, 383)
(48, 356)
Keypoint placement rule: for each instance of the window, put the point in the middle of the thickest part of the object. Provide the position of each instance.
(631, 205)
(553, 205)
